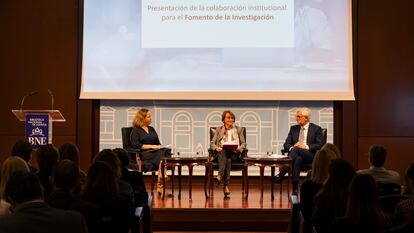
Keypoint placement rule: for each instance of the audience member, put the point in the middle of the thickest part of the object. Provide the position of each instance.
(377, 156)
(229, 132)
(409, 180)
(101, 188)
(125, 189)
(333, 148)
(309, 188)
(9, 166)
(65, 181)
(404, 211)
(363, 213)
(71, 152)
(134, 178)
(332, 199)
(23, 149)
(30, 214)
(47, 157)
(327, 146)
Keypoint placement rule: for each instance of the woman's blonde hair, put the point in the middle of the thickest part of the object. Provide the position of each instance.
(320, 165)
(139, 118)
(333, 148)
(10, 165)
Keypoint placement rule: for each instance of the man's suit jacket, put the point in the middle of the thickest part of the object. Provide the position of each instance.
(38, 217)
(314, 138)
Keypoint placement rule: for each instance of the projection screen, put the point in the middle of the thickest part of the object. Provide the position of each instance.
(217, 50)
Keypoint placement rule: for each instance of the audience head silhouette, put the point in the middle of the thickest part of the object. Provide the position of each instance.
(409, 178)
(23, 186)
(107, 155)
(363, 203)
(123, 156)
(332, 147)
(101, 186)
(66, 175)
(320, 165)
(377, 155)
(69, 151)
(10, 165)
(22, 149)
(47, 157)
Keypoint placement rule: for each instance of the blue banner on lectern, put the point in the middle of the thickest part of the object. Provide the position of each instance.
(37, 129)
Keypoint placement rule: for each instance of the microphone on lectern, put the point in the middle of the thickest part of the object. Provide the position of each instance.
(51, 95)
(25, 96)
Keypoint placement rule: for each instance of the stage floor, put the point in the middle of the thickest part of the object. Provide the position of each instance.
(217, 213)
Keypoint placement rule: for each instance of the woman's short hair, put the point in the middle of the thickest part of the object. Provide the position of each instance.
(139, 118)
(223, 115)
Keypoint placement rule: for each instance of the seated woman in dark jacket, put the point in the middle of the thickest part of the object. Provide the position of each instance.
(144, 137)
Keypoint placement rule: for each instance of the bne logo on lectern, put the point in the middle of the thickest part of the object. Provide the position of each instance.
(37, 137)
(37, 129)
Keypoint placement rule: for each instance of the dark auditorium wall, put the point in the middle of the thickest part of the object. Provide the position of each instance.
(40, 43)
(385, 80)
(40, 48)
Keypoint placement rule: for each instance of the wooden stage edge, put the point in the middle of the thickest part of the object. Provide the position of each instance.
(217, 213)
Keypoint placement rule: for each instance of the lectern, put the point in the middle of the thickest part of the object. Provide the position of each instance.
(39, 125)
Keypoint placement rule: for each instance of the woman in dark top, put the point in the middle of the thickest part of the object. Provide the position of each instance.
(134, 178)
(331, 201)
(144, 137)
(116, 214)
(309, 188)
(363, 213)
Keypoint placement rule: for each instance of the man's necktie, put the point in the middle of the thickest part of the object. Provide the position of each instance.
(302, 135)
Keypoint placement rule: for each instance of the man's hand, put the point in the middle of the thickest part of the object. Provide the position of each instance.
(299, 145)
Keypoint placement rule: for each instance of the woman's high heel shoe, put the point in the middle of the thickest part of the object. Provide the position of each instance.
(226, 191)
(218, 180)
(160, 189)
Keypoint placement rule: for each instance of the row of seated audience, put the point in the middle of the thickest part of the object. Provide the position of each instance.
(333, 198)
(336, 198)
(59, 197)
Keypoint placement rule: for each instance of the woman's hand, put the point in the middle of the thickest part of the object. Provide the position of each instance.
(219, 149)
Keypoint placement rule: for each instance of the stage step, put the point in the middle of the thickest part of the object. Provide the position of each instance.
(207, 219)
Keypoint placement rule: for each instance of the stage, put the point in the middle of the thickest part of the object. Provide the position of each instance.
(217, 213)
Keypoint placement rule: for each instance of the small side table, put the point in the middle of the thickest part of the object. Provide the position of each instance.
(184, 160)
(262, 161)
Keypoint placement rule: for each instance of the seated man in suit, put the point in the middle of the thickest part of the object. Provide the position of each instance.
(302, 142)
(377, 156)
